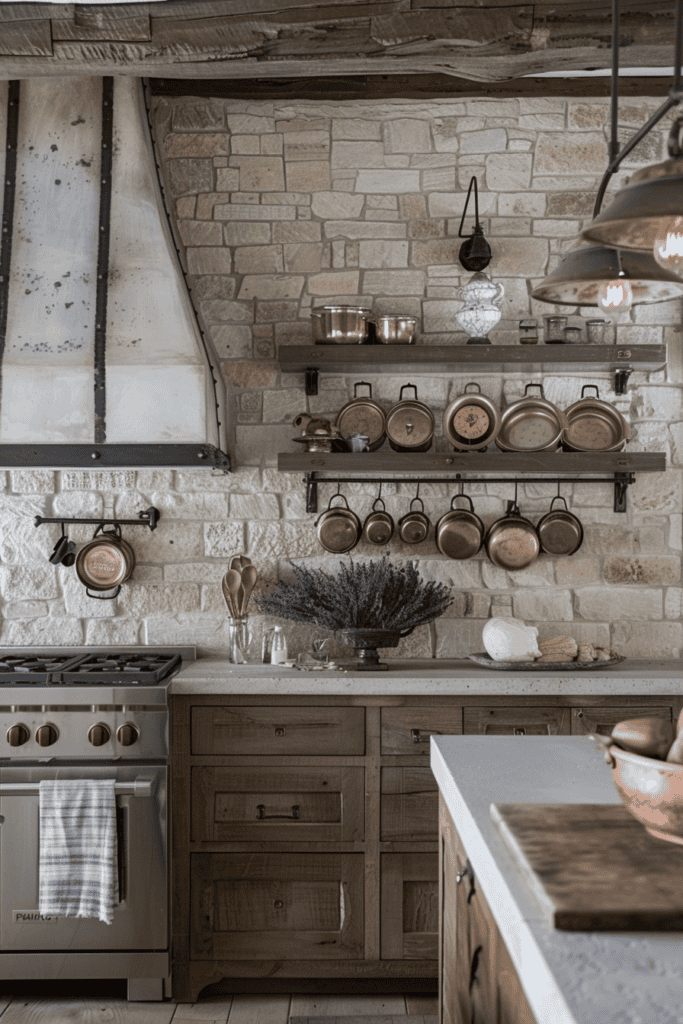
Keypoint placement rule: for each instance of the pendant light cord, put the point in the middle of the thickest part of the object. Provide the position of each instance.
(674, 98)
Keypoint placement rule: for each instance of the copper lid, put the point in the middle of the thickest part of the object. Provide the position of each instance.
(471, 422)
(103, 564)
(410, 424)
(361, 416)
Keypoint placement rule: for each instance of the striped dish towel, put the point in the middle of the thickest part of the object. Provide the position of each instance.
(78, 868)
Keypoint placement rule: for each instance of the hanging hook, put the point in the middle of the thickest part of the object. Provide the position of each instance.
(558, 488)
(379, 493)
(515, 492)
(417, 492)
(462, 487)
(338, 491)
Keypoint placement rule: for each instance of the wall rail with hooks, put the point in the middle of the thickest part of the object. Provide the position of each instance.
(149, 517)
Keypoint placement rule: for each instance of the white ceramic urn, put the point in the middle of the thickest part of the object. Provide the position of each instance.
(480, 314)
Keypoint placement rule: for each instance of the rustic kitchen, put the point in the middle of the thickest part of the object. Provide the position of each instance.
(341, 496)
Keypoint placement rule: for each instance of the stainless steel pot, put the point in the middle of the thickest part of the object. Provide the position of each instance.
(104, 564)
(363, 416)
(594, 425)
(378, 527)
(531, 424)
(559, 530)
(341, 325)
(460, 532)
(339, 529)
(512, 542)
(414, 527)
(395, 330)
(471, 421)
(410, 424)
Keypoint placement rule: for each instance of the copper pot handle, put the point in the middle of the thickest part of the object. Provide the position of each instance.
(533, 384)
(466, 497)
(471, 384)
(597, 392)
(104, 597)
(400, 394)
(363, 383)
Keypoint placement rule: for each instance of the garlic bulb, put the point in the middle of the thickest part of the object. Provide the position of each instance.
(510, 640)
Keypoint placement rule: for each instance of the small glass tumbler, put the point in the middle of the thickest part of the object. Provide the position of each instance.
(240, 637)
(528, 332)
(596, 330)
(554, 326)
(571, 336)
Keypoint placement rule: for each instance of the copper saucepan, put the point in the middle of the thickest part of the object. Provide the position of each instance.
(460, 532)
(339, 529)
(414, 526)
(512, 542)
(105, 563)
(559, 530)
(378, 527)
(532, 424)
(594, 425)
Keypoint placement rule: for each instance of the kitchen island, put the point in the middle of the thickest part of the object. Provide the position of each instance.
(566, 977)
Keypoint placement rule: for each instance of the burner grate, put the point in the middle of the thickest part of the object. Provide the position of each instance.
(74, 670)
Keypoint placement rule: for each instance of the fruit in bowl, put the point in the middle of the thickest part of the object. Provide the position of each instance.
(646, 757)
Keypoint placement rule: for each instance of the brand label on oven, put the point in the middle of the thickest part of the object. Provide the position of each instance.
(25, 916)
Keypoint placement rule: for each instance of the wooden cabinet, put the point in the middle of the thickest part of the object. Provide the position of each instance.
(305, 836)
(477, 979)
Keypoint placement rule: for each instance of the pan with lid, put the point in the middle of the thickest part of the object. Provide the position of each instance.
(532, 424)
(410, 424)
(362, 415)
(105, 563)
(471, 421)
(594, 425)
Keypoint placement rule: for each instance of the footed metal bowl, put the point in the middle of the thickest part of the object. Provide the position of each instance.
(365, 643)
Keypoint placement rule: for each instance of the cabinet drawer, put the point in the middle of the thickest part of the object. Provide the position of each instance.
(407, 730)
(290, 906)
(603, 720)
(525, 721)
(278, 730)
(410, 805)
(410, 906)
(277, 804)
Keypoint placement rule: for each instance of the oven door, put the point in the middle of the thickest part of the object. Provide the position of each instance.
(141, 917)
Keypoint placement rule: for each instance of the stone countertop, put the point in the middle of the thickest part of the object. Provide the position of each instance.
(567, 977)
(435, 678)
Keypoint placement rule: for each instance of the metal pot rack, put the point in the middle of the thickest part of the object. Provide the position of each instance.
(149, 517)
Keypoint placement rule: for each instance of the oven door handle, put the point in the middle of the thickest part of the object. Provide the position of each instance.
(139, 787)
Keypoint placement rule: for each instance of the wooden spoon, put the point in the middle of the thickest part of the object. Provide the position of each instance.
(249, 575)
(231, 584)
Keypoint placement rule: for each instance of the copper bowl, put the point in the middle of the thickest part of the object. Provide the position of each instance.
(651, 790)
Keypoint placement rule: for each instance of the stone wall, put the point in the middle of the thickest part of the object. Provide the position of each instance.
(278, 207)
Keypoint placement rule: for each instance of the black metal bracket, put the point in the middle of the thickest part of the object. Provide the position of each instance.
(112, 456)
(621, 376)
(311, 375)
(621, 482)
(150, 517)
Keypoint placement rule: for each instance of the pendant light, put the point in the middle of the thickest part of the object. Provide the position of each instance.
(646, 214)
(600, 274)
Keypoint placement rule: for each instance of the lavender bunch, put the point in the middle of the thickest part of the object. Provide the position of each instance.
(370, 595)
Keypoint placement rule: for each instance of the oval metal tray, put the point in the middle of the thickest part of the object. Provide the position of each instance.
(545, 666)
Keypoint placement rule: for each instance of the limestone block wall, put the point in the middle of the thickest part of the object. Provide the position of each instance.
(280, 206)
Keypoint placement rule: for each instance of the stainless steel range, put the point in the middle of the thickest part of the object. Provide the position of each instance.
(87, 713)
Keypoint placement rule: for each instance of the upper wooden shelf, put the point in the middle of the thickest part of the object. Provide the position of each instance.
(489, 462)
(458, 358)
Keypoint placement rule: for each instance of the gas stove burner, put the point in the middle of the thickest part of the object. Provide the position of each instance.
(87, 669)
(33, 668)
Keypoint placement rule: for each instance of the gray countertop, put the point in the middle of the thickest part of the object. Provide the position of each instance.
(434, 678)
(568, 977)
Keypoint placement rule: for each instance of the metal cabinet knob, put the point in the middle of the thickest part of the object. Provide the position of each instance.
(128, 734)
(519, 732)
(279, 731)
(46, 735)
(99, 734)
(17, 735)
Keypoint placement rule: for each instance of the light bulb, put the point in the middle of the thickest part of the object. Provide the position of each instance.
(668, 247)
(614, 296)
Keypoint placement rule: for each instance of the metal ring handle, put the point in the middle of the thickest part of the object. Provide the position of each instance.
(103, 597)
(381, 500)
(472, 384)
(413, 386)
(364, 383)
(559, 497)
(337, 495)
(532, 384)
(597, 393)
(466, 497)
(422, 504)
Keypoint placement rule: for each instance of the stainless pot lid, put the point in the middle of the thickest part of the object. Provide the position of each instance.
(102, 564)
(362, 416)
(410, 423)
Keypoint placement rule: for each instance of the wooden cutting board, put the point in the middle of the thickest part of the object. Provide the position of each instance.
(592, 867)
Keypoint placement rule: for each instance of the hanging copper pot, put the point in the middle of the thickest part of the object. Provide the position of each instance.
(460, 532)
(339, 529)
(104, 564)
(532, 424)
(559, 530)
(414, 526)
(594, 425)
(410, 424)
(363, 416)
(512, 542)
(471, 421)
(378, 528)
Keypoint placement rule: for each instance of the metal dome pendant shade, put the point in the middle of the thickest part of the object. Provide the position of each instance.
(580, 274)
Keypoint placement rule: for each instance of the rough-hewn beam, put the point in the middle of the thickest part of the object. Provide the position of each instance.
(479, 40)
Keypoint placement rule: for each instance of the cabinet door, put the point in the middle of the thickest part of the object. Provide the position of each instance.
(603, 720)
(410, 805)
(409, 906)
(277, 730)
(290, 906)
(407, 730)
(277, 804)
(511, 721)
(512, 1005)
(454, 999)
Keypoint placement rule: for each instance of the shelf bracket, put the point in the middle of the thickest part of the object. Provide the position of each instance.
(311, 492)
(621, 376)
(312, 375)
(621, 482)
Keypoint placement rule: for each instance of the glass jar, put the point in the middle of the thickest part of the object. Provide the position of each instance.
(240, 637)
(554, 326)
(596, 331)
(528, 331)
(571, 336)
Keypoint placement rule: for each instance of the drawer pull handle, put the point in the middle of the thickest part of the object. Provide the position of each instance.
(519, 731)
(278, 904)
(279, 731)
(417, 737)
(262, 816)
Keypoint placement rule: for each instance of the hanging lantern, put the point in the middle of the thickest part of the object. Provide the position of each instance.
(668, 247)
(582, 272)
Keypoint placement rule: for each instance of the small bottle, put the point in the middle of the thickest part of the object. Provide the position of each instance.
(278, 651)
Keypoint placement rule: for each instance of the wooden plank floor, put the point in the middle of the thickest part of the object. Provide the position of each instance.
(38, 1003)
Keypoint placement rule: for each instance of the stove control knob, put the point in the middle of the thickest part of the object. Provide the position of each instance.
(128, 734)
(46, 735)
(99, 734)
(17, 735)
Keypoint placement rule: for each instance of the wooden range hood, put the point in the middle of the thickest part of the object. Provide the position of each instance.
(482, 41)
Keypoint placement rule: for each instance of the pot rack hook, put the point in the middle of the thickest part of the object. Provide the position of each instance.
(417, 492)
(515, 492)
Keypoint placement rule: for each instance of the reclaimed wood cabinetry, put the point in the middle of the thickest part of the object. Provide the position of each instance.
(477, 979)
(305, 831)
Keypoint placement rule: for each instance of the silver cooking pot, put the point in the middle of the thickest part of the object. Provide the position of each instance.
(341, 325)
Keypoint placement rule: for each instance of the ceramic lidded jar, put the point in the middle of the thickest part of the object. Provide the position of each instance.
(480, 314)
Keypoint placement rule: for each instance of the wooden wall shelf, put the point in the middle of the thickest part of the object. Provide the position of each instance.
(547, 463)
(458, 358)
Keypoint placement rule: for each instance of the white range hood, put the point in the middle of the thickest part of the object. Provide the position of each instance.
(148, 380)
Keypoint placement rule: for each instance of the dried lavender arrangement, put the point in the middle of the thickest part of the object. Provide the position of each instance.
(365, 595)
